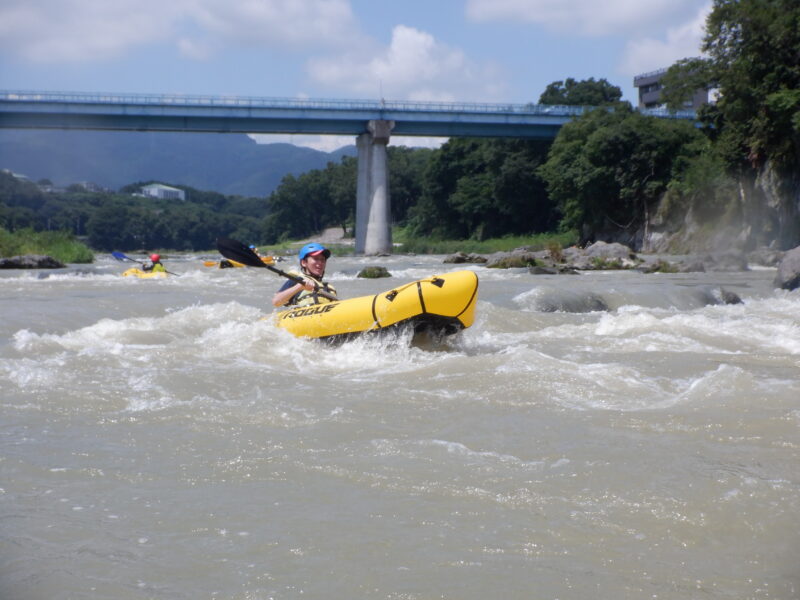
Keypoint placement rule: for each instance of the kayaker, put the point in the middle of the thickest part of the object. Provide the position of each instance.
(154, 265)
(313, 259)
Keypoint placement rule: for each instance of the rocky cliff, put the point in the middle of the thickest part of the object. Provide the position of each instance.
(756, 212)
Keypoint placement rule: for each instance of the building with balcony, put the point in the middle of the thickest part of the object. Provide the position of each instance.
(649, 85)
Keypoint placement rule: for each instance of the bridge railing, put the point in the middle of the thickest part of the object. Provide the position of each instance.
(296, 103)
(309, 103)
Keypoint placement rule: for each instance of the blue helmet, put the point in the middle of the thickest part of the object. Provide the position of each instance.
(313, 248)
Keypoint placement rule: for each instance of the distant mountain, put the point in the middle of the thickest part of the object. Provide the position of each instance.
(227, 163)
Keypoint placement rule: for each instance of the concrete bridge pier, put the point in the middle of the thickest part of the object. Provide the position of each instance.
(373, 210)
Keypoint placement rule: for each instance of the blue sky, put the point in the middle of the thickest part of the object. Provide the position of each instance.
(442, 50)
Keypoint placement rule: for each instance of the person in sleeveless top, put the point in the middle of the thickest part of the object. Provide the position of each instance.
(313, 260)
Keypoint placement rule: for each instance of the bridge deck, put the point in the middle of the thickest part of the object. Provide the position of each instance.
(228, 114)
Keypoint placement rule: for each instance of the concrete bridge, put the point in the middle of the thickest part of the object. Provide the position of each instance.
(372, 122)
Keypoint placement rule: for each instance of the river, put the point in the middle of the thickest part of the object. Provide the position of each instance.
(159, 440)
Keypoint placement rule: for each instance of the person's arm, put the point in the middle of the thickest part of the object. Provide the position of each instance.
(283, 295)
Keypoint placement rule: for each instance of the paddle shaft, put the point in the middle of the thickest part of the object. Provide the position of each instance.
(234, 250)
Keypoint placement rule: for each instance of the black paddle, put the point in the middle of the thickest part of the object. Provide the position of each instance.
(121, 256)
(235, 250)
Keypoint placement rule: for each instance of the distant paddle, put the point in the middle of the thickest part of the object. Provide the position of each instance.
(121, 256)
(235, 250)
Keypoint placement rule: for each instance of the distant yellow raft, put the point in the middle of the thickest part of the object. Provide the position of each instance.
(134, 272)
(226, 263)
(444, 304)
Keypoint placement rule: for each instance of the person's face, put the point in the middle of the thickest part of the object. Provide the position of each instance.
(315, 264)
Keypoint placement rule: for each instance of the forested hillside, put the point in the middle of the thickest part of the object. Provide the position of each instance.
(126, 221)
(231, 164)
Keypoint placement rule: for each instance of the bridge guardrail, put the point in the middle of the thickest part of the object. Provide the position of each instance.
(316, 104)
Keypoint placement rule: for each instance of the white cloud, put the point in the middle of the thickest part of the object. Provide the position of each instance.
(78, 30)
(329, 143)
(648, 54)
(323, 143)
(417, 142)
(92, 30)
(278, 22)
(194, 49)
(582, 17)
(414, 66)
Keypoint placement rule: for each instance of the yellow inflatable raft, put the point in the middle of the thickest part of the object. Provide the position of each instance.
(134, 272)
(442, 304)
(227, 263)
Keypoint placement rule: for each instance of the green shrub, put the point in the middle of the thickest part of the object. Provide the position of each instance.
(61, 245)
(426, 245)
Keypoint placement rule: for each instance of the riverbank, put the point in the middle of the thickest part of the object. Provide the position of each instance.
(341, 243)
(58, 245)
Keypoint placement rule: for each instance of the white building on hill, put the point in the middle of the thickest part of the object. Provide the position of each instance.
(163, 192)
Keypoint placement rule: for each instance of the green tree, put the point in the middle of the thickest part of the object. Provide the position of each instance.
(305, 204)
(587, 92)
(754, 50)
(753, 58)
(607, 169)
(406, 169)
(483, 188)
(107, 227)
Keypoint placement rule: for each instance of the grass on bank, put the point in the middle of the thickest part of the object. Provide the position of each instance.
(61, 245)
(541, 241)
(405, 244)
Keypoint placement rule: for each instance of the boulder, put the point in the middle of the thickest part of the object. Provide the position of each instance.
(511, 260)
(693, 265)
(374, 272)
(542, 270)
(788, 275)
(463, 257)
(726, 261)
(31, 261)
(765, 257)
(552, 270)
(659, 266)
(729, 297)
(610, 251)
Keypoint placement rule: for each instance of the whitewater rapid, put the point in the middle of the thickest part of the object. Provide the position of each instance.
(607, 435)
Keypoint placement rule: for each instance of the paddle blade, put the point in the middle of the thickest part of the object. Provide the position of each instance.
(235, 250)
(210, 263)
(119, 256)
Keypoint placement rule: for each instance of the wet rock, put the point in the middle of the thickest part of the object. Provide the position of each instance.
(552, 270)
(572, 253)
(788, 275)
(571, 303)
(694, 265)
(31, 261)
(728, 297)
(463, 257)
(729, 261)
(659, 266)
(542, 270)
(765, 257)
(610, 251)
(374, 272)
(511, 260)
